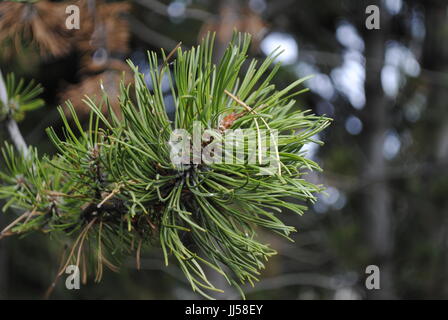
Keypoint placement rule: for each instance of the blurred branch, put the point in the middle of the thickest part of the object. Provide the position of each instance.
(303, 279)
(162, 9)
(277, 7)
(350, 183)
(158, 265)
(332, 60)
(11, 124)
(303, 256)
(150, 36)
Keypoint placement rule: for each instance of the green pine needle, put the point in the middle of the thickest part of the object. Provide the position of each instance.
(21, 98)
(113, 189)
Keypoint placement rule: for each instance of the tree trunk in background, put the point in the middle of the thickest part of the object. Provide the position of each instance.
(378, 198)
(435, 59)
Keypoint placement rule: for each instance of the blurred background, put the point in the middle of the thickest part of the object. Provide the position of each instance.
(385, 155)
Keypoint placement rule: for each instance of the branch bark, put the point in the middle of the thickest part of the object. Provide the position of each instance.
(11, 125)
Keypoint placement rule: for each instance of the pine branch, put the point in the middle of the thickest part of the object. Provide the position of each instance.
(114, 189)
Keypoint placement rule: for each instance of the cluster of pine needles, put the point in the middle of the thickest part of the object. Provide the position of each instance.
(113, 189)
